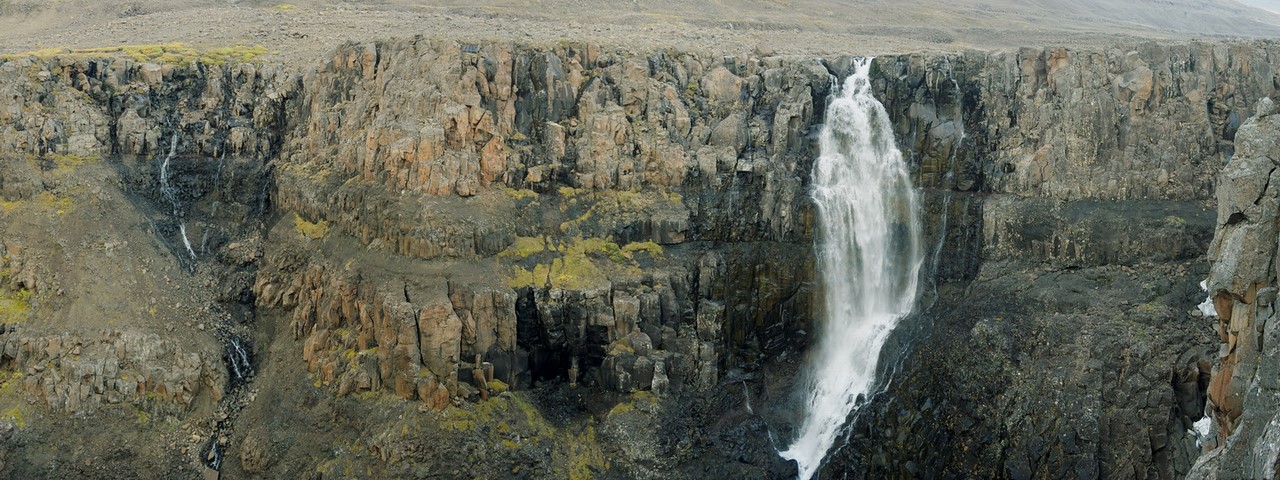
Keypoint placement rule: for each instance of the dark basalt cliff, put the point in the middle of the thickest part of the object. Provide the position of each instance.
(514, 260)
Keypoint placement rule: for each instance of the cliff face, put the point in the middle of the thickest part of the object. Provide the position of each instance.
(1071, 349)
(443, 223)
(1241, 285)
(128, 194)
(602, 202)
(73, 218)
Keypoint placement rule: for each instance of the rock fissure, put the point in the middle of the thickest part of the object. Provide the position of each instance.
(1265, 187)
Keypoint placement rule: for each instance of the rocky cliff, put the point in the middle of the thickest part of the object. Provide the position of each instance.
(1241, 286)
(1074, 347)
(581, 262)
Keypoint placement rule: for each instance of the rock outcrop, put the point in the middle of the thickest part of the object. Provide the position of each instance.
(1242, 286)
(76, 375)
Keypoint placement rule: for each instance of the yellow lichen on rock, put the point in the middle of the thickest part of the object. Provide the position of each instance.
(581, 263)
(15, 307)
(650, 247)
(586, 458)
(523, 247)
(310, 230)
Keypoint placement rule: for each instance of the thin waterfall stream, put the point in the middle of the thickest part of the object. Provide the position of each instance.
(869, 259)
(230, 330)
(167, 189)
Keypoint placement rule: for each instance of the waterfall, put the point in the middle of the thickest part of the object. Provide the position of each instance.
(239, 366)
(165, 188)
(869, 256)
(169, 194)
(214, 456)
(182, 228)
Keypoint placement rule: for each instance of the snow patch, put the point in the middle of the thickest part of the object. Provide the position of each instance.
(1202, 430)
(1206, 307)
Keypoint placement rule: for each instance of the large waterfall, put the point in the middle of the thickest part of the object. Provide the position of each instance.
(869, 256)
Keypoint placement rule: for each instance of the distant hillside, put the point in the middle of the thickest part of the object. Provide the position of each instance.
(1268, 5)
(303, 29)
(1164, 18)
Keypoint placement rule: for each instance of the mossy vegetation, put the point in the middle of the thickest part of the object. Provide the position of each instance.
(524, 247)
(586, 458)
(600, 246)
(10, 394)
(58, 198)
(577, 264)
(143, 417)
(570, 192)
(520, 194)
(236, 54)
(1149, 308)
(175, 53)
(572, 272)
(650, 247)
(643, 400)
(612, 207)
(694, 99)
(575, 449)
(310, 230)
(68, 162)
(498, 386)
(16, 416)
(44, 202)
(15, 307)
(9, 387)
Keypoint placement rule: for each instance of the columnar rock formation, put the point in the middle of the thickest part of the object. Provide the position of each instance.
(630, 222)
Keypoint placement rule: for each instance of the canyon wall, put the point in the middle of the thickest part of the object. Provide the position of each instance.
(1075, 347)
(1242, 286)
(445, 222)
(603, 205)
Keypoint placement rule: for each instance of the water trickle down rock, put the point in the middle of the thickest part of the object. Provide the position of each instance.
(239, 357)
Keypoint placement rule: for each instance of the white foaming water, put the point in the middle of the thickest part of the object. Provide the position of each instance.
(182, 228)
(869, 256)
(164, 175)
(167, 190)
(238, 359)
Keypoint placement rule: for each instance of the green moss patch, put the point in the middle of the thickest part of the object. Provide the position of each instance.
(310, 230)
(175, 53)
(15, 306)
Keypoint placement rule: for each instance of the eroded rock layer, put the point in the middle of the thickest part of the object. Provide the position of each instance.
(486, 231)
